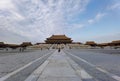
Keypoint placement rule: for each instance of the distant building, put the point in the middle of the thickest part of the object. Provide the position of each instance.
(76, 43)
(39, 43)
(26, 44)
(2, 45)
(91, 43)
(115, 43)
(58, 39)
(103, 44)
(14, 46)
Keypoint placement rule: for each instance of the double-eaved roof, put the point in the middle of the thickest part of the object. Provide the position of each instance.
(58, 37)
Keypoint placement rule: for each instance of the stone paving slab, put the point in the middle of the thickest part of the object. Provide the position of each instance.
(59, 79)
(58, 69)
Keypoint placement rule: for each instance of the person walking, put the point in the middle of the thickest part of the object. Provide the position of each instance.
(59, 50)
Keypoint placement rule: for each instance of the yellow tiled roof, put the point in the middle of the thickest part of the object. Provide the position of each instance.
(117, 41)
(58, 37)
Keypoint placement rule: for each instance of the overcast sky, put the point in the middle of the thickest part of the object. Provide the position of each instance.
(82, 20)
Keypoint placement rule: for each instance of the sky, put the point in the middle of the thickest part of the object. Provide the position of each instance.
(82, 20)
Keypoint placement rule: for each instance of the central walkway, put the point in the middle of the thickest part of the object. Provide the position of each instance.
(58, 69)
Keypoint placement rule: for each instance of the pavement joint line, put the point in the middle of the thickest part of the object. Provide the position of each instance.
(53, 57)
(80, 71)
(35, 75)
(82, 60)
(110, 74)
(20, 69)
(100, 69)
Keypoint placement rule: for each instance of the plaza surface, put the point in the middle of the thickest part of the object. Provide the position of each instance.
(58, 69)
(66, 65)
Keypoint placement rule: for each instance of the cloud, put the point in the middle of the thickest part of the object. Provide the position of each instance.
(114, 6)
(37, 19)
(96, 18)
(17, 16)
(6, 4)
(10, 37)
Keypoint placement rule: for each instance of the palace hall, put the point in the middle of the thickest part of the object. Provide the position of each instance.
(58, 39)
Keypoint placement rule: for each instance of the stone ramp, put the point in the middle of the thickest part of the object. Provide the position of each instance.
(58, 69)
(55, 68)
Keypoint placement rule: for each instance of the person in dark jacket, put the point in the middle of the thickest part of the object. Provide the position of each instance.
(59, 50)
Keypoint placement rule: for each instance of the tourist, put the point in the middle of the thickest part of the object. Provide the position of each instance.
(59, 50)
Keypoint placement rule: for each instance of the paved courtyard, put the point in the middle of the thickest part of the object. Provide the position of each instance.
(66, 65)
